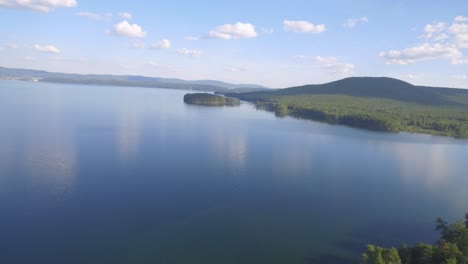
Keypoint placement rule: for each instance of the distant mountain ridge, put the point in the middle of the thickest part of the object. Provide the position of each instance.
(370, 87)
(126, 80)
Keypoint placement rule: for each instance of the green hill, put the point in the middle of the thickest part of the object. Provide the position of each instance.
(126, 80)
(376, 103)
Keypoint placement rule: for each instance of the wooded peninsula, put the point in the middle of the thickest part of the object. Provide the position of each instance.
(374, 103)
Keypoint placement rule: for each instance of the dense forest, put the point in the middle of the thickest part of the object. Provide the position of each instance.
(452, 248)
(210, 100)
(382, 104)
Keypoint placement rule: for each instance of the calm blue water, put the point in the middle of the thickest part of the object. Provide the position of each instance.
(94, 174)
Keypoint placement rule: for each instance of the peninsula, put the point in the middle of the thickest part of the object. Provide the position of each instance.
(374, 103)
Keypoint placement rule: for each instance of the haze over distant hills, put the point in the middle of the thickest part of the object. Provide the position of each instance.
(125, 80)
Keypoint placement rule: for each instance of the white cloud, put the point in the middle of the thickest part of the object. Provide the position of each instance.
(125, 15)
(458, 77)
(46, 48)
(191, 38)
(448, 42)
(335, 67)
(459, 31)
(458, 28)
(38, 5)
(189, 52)
(433, 30)
(353, 22)
(459, 61)
(128, 30)
(461, 19)
(422, 52)
(233, 31)
(440, 37)
(303, 27)
(162, 44)
(94, 16)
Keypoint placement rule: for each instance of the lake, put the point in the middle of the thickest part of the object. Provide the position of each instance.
(100, 174)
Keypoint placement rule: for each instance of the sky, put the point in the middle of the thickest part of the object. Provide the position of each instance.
(272, 43)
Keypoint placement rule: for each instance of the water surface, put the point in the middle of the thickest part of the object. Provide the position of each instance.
(97, 174)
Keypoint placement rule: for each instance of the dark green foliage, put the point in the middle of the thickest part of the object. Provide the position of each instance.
(446, 252)
(378, 255)
(422, 254)
(391, 256)
(405, 254)
(452, 248)
(381, 104)
(281, 110)
(210, 100)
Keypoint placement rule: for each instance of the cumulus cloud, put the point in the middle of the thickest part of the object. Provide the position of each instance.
(189, 52)
(335, 67)
(443, 41)
(46, 48)
(233, 31)
(303, 27)
(128, 30)
(162, 44)
(421, 52)
(459, 61)
(353, 22)
(94, 16)
(459, 31)
(38, 5)
(125, 15)
(434, 30)
(461, 19)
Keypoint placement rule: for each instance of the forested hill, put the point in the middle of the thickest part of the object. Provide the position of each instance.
(125, 80)
(373, 87)
(377, 103)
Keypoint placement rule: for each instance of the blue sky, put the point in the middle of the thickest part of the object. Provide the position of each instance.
(273, 43)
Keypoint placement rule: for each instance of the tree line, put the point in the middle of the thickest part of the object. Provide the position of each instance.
(452, 248)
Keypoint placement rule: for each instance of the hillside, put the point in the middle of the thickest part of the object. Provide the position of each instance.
(376, 103)
(126, 80)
